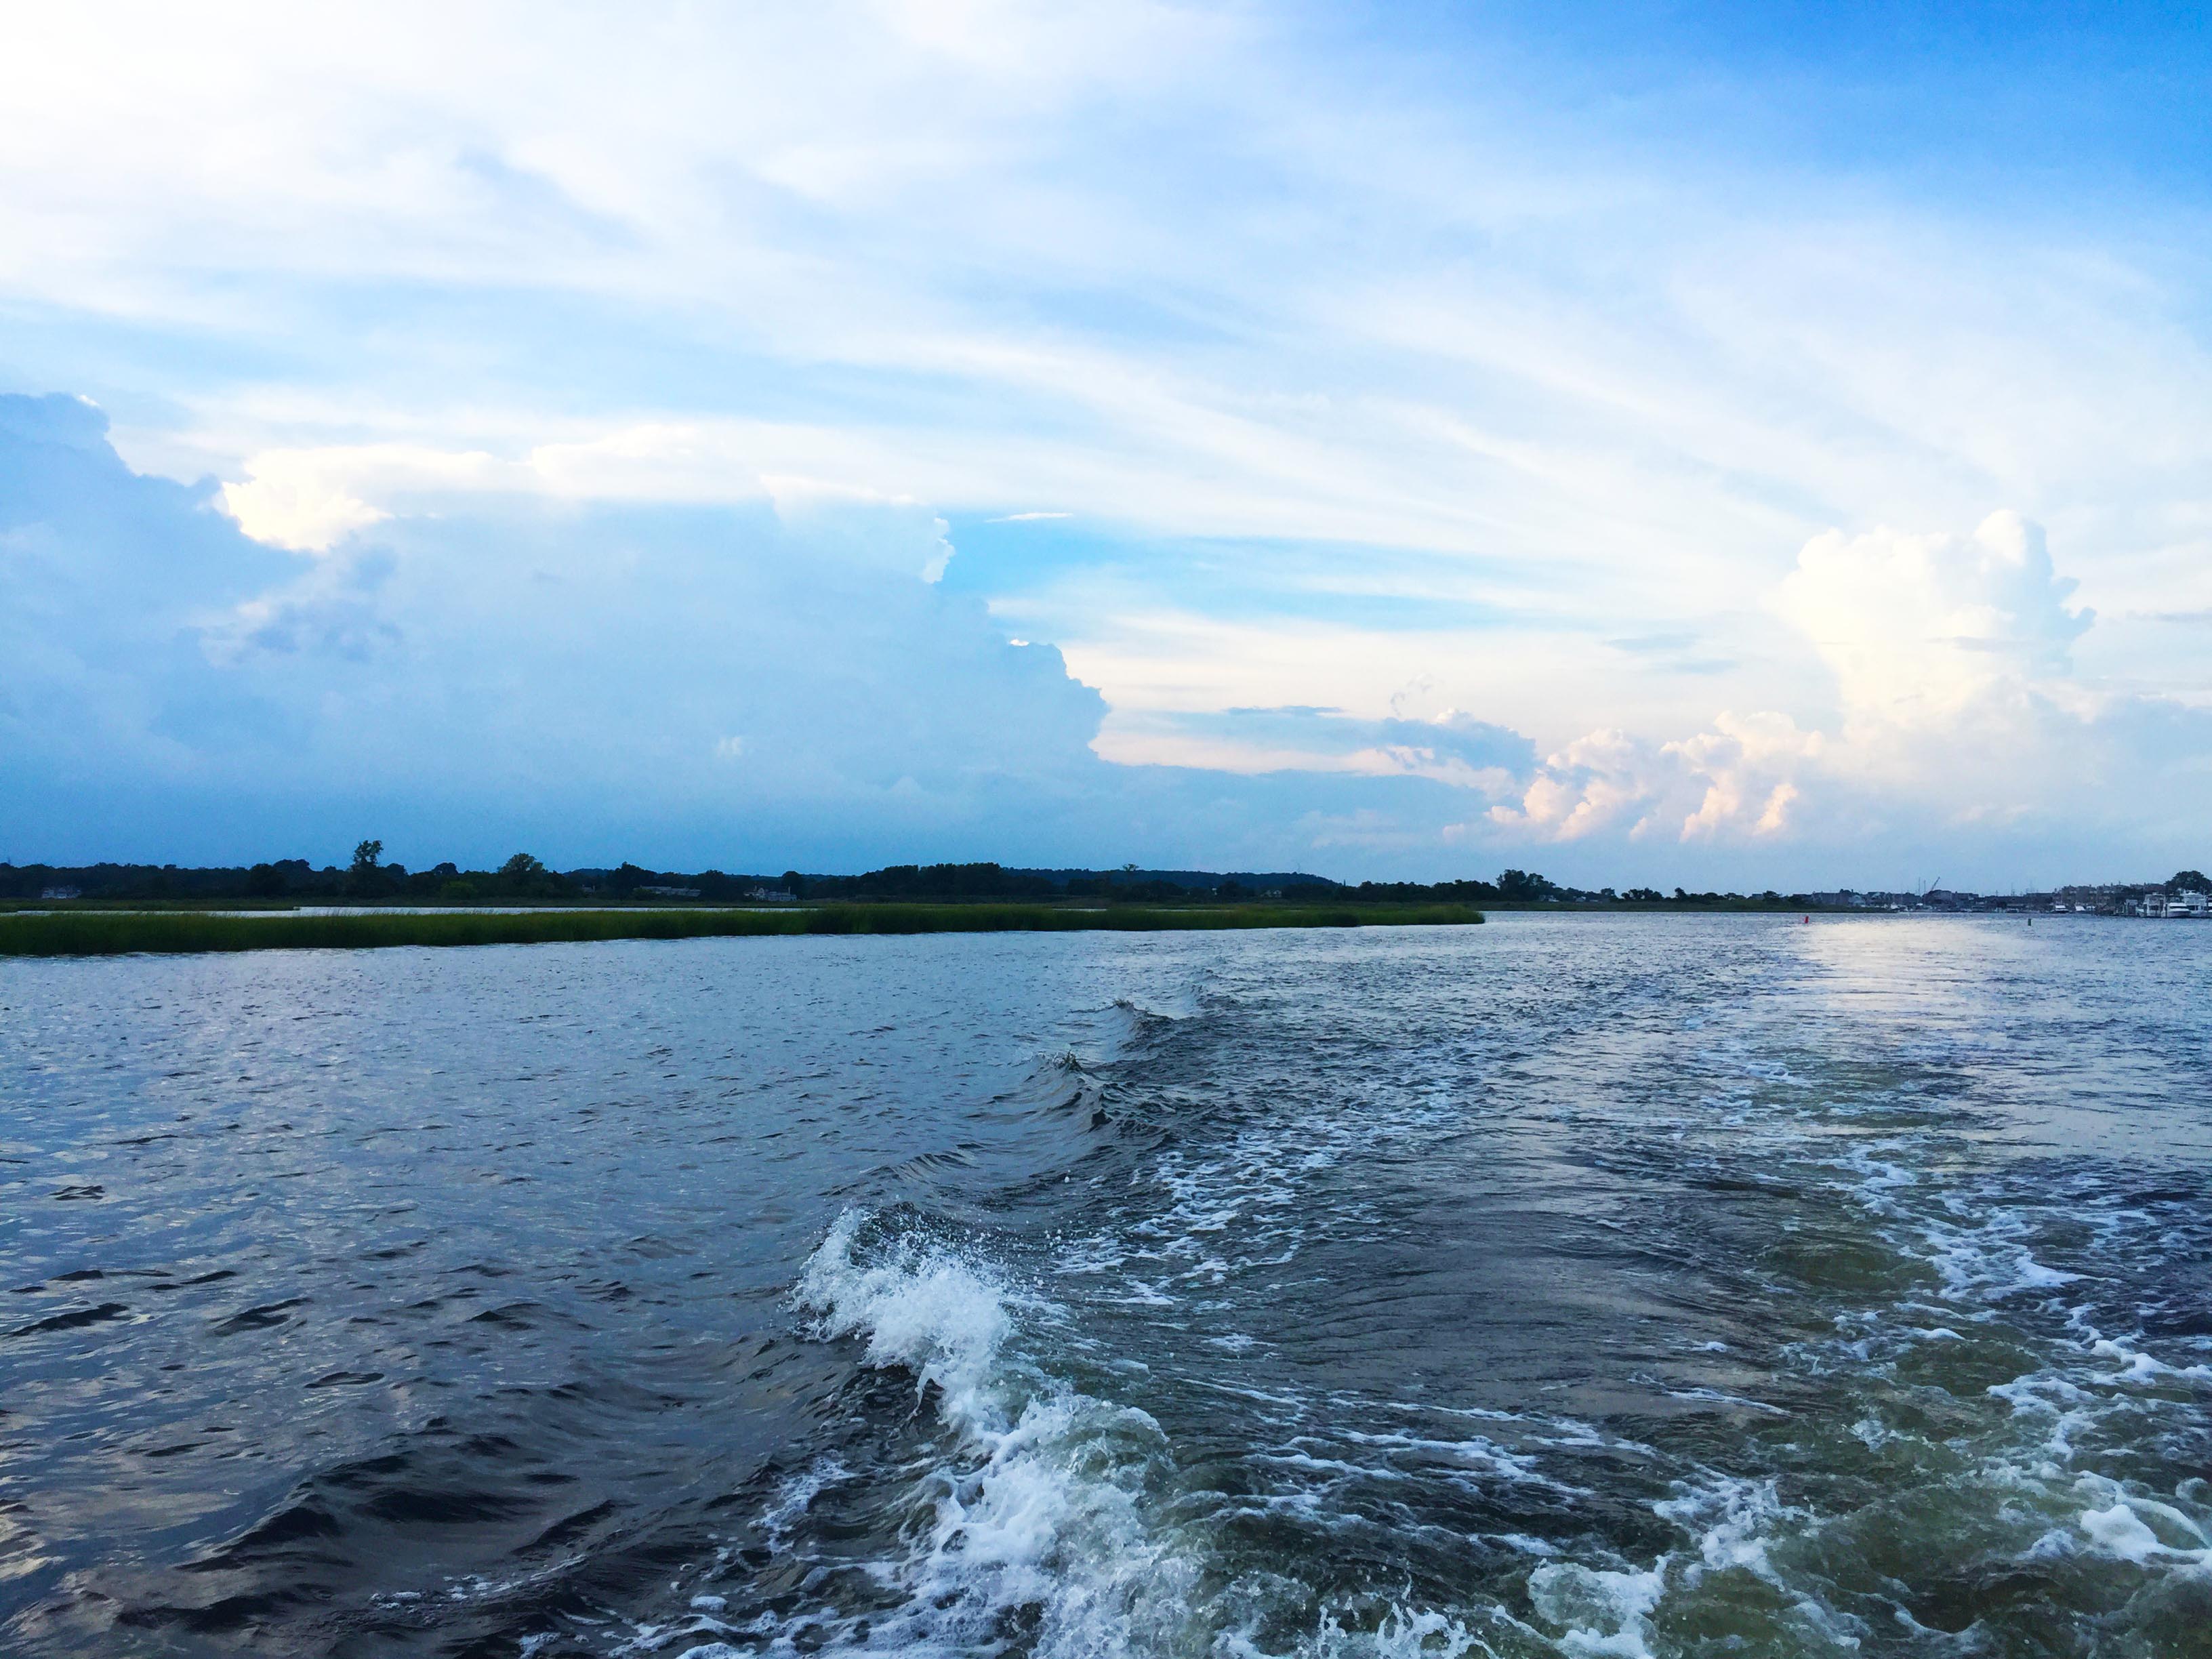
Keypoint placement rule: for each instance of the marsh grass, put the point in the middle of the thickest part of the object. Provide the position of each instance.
(93, 933)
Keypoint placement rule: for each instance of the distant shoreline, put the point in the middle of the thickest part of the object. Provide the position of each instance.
(89, 932)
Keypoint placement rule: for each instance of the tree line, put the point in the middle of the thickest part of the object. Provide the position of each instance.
(368, 878)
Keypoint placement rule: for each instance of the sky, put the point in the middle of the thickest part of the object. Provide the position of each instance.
(1732, 445)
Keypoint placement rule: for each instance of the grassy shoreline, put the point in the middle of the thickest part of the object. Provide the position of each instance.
(92, 934)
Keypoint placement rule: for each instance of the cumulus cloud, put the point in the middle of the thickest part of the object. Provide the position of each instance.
(331, 608)
(309, 500)
(777, 680)
(106, 581)
(1956, 703)
(782, 677)
(309, 497)
(1602, 780)
(1746, 766)
(505, 661)
(1919, 629)
(57, 419)
(299, 512)
(895, 535)
(1738, 778)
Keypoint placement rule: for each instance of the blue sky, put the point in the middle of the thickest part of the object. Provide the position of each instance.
(1725, 445)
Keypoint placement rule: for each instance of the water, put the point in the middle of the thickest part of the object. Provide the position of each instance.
(1586, 1286)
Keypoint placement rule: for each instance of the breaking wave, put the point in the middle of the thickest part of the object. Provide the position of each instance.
(1033, 1530)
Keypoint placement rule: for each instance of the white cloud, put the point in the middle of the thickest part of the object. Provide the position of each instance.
(1601, 781)
(1919, 629)
(837, 193)
(1737, 781)
(665, 461)
(506, 665)
(1218, 282)
(164, 680)
(894, 534)
(1746, 766)
(310, 499)
(1952, 673)
(298, 512)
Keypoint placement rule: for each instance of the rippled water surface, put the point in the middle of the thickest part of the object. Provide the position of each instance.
(1669, 1286)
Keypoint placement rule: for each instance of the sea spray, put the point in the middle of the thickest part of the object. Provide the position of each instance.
(1037, 1523)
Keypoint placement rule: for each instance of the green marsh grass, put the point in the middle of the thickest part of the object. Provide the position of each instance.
(95, 933)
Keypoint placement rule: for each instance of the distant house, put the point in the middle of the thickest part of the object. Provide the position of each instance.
(669, 892)
(768, 896)
(61, 892)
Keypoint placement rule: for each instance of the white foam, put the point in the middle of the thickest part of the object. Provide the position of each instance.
(2136, 1366)
(1523, 1543)
(2119, 1531)
(924, 1310)
(1731, 1519)
(1604, 1614)
(1989, 1263)
(1422, 1633)
(2124, 1529)
(1041, 1507)
(1476, 1452)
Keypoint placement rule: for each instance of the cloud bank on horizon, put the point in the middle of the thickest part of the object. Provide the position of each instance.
(1362, 440)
